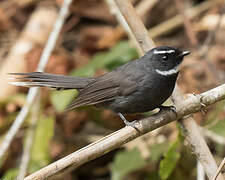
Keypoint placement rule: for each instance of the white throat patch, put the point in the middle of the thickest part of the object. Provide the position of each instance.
(168, 72)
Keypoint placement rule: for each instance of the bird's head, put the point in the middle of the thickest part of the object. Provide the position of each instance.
(166, 60)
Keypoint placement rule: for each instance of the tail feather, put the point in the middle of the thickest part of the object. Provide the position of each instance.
(40, 79)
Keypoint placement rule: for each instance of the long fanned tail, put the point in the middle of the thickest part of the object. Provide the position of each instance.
(40, 79)
(92, 91)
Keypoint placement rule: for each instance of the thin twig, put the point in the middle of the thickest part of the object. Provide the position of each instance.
(140, 34)
(54, 35)
(162, 28)
(219, 169)
(126, 134)
(187, 24)
(196, 141)
(29, 139)
(114, 10)
(207, 45)
(200, 172)
(144, 7)
(109, 40)
(213, 136)
(18, 121)
(34, 91)
(176, 21)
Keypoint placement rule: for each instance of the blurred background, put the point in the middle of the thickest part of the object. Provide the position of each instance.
(91, 43)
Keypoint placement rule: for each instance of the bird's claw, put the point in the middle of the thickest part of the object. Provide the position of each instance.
(173, 108)
(132, 123)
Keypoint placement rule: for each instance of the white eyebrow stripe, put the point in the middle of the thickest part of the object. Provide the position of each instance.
(168, 72)
(163, 52)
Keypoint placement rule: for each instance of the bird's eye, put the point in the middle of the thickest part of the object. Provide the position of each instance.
(165, 58)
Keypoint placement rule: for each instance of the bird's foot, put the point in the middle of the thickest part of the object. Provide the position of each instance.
(133, 124)
(172, 108)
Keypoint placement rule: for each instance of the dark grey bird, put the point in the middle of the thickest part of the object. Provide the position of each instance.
(138, 86)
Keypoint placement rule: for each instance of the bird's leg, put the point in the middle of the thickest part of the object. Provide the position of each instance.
(127, 123)
(173, 108)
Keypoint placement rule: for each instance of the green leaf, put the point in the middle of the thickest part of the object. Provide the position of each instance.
(215, 113)
(170, 160)
(153, 176)
(126, 162)
(11, 174)
(215, 121)
(219, 127)
(157, 150)
(60, 101)
(118, 55)
(41, 144)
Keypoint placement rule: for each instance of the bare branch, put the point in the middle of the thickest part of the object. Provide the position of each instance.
(114, 10)
(207, 45)
(213, 136)
(35, 33)
(187, 24)
(29, 139)
(144, 7)
(34, 91)
(160, 29)
(136, 25)
(199, 147)
(176, 21)
(54, 35)
(219, 169)
(18, 121)
(126, 134)
(200, 172)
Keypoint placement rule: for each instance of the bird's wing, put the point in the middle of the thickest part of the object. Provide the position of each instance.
(106, 88)
(131, 75)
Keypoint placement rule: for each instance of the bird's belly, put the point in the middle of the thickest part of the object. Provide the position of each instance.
(143, 100)
(137, 103)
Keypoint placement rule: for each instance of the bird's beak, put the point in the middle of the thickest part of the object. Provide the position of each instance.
(181, 55)
(184, 53)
